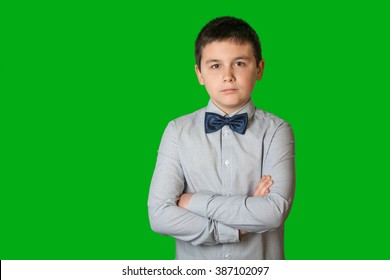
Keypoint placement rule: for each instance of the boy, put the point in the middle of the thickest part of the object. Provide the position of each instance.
(211, 188)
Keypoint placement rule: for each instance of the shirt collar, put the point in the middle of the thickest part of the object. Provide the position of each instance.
(248, 108)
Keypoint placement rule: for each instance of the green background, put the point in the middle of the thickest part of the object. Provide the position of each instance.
(76, 164)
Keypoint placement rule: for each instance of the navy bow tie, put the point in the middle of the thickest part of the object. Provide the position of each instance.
(214, 122)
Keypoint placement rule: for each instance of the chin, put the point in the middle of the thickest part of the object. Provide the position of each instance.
(232, 106)
(234, 103)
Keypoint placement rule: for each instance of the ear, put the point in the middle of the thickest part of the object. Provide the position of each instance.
(199, 75)
(260, 70)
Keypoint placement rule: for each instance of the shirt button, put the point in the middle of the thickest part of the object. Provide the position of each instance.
(227, 256)
(228, 194)
(226, 133)
(227, 162)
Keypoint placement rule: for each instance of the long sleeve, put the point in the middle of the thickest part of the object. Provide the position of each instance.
(167, 185)
(257, 214)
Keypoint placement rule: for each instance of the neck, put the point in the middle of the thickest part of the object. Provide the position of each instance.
(228, 111)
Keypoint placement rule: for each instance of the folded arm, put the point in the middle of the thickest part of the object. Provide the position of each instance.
(166, 188)
(257, 213)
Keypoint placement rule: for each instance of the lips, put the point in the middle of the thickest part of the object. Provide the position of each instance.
(229, 90)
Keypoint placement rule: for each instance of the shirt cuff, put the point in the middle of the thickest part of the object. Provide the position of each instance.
(198, 204)
(227, 234)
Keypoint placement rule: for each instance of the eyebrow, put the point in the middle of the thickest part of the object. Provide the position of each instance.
(218, 60)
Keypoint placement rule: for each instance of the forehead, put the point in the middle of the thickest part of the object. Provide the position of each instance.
(226, 50)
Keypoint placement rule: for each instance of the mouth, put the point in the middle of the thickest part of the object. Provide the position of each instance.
(229, 90)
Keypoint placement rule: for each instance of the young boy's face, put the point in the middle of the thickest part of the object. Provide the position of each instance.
(229, 73)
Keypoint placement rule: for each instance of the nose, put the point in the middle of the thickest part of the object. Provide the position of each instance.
(228, 76)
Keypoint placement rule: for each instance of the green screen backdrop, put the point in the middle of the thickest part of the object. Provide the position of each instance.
(76, 164)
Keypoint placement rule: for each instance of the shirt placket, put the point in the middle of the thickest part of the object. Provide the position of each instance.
(227, 169)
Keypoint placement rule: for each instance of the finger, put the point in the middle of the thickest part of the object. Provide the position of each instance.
(261, 192)
(263, 179)
(266, 185)
(258, 191)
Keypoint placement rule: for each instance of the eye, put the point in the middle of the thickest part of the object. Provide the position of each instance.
(240, 63)
(214, 66)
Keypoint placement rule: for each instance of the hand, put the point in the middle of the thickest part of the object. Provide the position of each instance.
(184, 200)
(263, 186)
(262, 189)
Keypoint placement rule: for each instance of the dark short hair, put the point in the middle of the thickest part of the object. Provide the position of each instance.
(227, 28)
